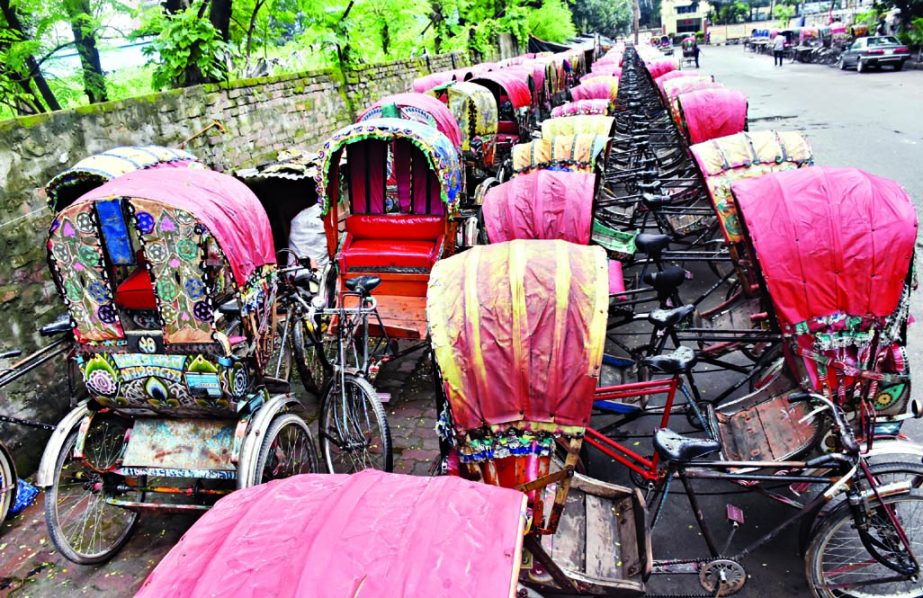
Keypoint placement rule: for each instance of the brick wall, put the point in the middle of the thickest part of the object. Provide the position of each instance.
(231, 125)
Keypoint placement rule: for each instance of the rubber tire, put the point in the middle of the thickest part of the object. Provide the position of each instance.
(841, 64)
(51, 518)
(843, 515)
(278, 423)
(304, 352)
(378, 412)
(899, 66)
(859, 66)
(7, 478)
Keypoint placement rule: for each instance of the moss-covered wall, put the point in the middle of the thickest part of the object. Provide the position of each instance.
(226, 125)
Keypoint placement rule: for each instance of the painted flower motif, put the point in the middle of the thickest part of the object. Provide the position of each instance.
(98, 291)
(156, 252)
(107, 314)
(166, 289)
(61, 252)
(187, 249)
(184, 217)
(84, 222)
(102, 382)
(168, 313)
(145, 223)
(194, 289)
(72, 290)
(88, 256)
(202, 311)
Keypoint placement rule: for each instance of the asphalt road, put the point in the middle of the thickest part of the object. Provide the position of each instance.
(871, 121)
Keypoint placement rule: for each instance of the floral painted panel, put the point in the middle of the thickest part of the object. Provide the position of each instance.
(173, 243)
(76, 256)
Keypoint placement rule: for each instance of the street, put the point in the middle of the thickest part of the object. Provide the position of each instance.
(871, 121)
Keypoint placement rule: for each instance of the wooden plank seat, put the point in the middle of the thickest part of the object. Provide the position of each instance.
(601, 540)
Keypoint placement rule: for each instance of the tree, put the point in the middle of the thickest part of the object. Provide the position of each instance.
(20, 67)
(187, 49)
(610, 18)
(83, 25)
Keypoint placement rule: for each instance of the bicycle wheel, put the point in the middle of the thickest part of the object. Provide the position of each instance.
(838, 564)
(354, 432)
(313, 353)
(8, 482)
(288, 450)
(82, 523)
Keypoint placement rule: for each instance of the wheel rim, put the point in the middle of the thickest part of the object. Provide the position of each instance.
(352, 436)
(86, 521)
(845, 563)
(290, 453)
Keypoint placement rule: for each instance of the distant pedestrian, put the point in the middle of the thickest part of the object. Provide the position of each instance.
(695, 52)
(778, 49)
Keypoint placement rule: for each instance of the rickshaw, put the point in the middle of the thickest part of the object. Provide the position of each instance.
(688, 45)
(503, 402)
(581, 107)
(428, 82)
(842, 303)
(404, 553)
(397, 197)
(597, 88)
(180, 408)
(711, 113)
(659, 81)
(575, 153)
(513, 98)
(93, 171)
(475, 110)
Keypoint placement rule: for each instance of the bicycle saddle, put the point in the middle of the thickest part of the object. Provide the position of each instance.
(229, 308)
(59, 326)
(681, 449)
(654, 200)
(679, 361)
(364, 285)
(664, 318)
(651, 244)
(301, 278)
(667, 280)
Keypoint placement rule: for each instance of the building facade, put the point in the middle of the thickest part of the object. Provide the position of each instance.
(684, 16)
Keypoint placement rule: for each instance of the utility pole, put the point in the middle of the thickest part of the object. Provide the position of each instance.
(636, 8)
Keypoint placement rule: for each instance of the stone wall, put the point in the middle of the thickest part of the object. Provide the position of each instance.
(226, 125)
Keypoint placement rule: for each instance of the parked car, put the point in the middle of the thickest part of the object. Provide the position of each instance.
(867, 52)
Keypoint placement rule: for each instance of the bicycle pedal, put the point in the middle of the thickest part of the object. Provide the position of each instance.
(734, 514)
(384, 397)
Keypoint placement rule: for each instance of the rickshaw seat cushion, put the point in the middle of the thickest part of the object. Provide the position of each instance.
(508, 127)
(507, 138)
(677, 448)
(136, 291)
(358, 254)
(404, 227)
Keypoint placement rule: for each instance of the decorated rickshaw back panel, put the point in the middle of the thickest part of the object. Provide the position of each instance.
(579, 107)
(578, 125)
(573, 153)
(419, 107)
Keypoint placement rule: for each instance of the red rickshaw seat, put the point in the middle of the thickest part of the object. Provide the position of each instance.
(509, 127)
(136, 291)
(391, 242)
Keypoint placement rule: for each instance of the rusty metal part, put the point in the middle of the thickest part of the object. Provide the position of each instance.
(722, 577)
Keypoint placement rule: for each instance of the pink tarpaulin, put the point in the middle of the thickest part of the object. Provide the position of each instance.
(424, 84)
(544, 204)
(227, 208)
(439, 112)
(829, 240)
(371, 534)
(518, 330)
(596, 88)
(609, 70)
(513, 82)
(674, 75)
(659, 67)
(712, 113)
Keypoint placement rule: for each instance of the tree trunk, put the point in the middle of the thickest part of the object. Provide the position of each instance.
(94, 81)
(220, 16)
(35, 73)
(256, 9)
(636, 16)
(174, 6)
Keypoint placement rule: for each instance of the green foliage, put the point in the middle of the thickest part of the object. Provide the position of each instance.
(608, 17)
(552, 22)
(869, 17)
(730, 12)
(784, 13)
(915, 33)
(184, 41)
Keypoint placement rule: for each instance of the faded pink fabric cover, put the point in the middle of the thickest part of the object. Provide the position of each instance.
(609, 69)
(227, 208)
(596, 88)
(713, 113)
(445, 121)
(829, 240)
(371, 534)
(659, 67)
(544, 204)
(424, 84)
(674, 75)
